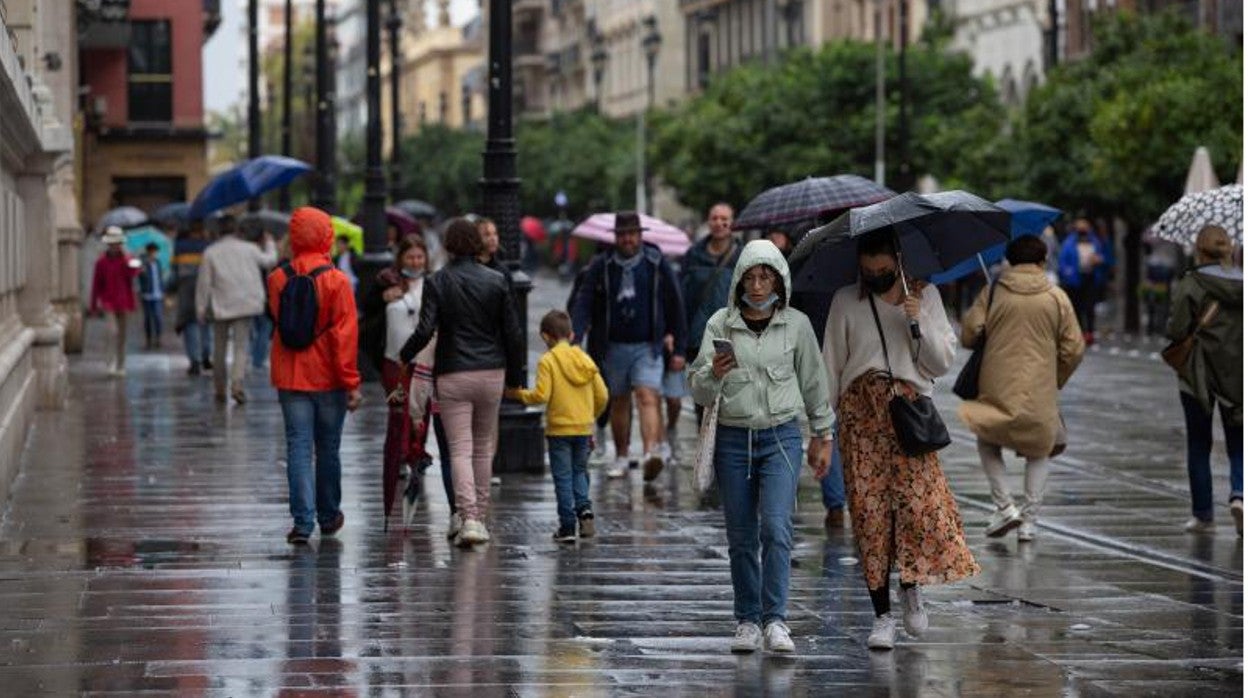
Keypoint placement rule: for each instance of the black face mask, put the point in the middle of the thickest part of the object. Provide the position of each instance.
(879, 283)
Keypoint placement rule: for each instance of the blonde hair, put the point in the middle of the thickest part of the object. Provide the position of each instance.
(1213, 245)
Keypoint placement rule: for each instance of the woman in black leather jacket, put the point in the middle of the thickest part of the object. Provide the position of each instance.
(480, 346)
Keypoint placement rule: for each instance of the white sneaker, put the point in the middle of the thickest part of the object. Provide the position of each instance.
(471, 534)
(1027, 532)
(913, 615)
(747, 637)
(664, 451)
(1003, 521)
(1195, 525)
(883, 633)
(776, 637)
(618, 468)
(1237, 512)
(484, 532)
(457, 524)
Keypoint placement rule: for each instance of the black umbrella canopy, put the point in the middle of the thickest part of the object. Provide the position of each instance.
(275, 223)
(420, 210)
(935, 232)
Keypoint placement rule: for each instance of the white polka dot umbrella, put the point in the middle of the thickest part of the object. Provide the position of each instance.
(1223, 207)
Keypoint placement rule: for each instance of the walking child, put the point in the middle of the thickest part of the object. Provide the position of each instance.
(569, 384)
(152, 291)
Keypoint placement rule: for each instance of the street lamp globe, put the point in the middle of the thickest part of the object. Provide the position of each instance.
(652, 40)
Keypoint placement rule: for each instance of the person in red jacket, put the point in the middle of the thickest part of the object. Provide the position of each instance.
(112, 291)
(318, 384)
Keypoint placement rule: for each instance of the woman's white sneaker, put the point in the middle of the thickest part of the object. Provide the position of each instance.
(747, 637)
(471, 534)
(1027, 532)
(913, 615)
(776, 637)
(1002, 521)
(883, 633)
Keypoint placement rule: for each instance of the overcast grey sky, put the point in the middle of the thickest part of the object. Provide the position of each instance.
(224, 81)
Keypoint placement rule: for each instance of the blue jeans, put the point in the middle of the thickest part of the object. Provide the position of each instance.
(1199, 450)
(197, 338)
(833, 484)
(261, 339)
(313, 419)
(757, 473)
(153, 317)
(569, 467)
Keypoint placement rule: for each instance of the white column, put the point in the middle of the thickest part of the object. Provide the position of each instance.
(35, 298)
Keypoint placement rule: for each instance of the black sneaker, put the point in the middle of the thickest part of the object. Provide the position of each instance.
(586, 521)
(194, 369)
(207, 363)
(565, 534)
(297, 537)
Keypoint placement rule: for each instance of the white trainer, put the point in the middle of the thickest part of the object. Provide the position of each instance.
(1027, 532)
(1195, 525)
(618, 468)
(913, 615)
(746, 638)
(883, 633)
(471, 534)
(776, 637)
(1003, 521)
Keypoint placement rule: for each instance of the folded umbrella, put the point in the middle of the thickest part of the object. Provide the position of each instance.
(600, 227)
(1026, 218)
(122, 217)
(247, 181)
(1223, 207)
(809, 198)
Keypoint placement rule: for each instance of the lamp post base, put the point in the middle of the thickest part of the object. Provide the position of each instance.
(520, 440)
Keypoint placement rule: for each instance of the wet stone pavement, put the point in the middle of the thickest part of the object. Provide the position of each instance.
(142, 550)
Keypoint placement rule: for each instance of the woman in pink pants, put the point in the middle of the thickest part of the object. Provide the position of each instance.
(480, 347)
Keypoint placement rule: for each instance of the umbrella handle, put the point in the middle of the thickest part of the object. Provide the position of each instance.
(905, 288)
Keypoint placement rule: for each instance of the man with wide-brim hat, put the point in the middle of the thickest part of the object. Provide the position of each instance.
(629, 306)
(112, 291)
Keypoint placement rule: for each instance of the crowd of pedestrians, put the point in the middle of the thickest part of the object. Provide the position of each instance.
(718, 325)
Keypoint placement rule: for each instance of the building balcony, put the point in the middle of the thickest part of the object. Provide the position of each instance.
(103, 24)
(527, 51)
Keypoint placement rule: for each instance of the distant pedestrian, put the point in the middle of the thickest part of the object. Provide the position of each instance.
(1159, 268)
(1083, 269)
(1214, 373)
(1033, 345)
(112, 291)
(152, 293)
(569, 384)
(319, 383)
(782, 240)
(344, 259)
(188, 253)
(480, 346)
(489, 247)
(766, 378)
(901, 507)
(629, 311)
(705, 282)
(230, 291)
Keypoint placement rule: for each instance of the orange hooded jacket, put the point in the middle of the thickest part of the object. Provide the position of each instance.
(330, 362)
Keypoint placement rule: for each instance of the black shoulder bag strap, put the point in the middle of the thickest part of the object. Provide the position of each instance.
(880, 329)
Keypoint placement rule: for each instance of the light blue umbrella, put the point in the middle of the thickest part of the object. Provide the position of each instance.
(246, 181)
(122, 217)
(1026, 218)
(138, 238)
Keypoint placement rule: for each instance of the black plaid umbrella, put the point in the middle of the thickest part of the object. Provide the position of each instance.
(1223, 207)
(809, 198)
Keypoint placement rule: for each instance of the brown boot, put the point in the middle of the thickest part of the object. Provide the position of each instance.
(834, 519)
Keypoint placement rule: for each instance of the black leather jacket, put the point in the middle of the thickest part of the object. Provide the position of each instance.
(468, 305)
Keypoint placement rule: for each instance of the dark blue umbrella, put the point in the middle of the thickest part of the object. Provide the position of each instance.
(1026, 218)
(247, 181)
(172, 215)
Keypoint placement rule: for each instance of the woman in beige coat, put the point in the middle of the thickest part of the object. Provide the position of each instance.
(1033, 346)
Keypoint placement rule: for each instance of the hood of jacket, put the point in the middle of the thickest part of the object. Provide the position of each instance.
(1025, 280)
(310, 231)
(575, 365)
(1222, 285)
(755, 253)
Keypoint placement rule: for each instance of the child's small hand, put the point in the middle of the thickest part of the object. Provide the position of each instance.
(512, 394)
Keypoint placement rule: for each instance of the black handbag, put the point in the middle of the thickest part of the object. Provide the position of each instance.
(967, 384)
(918, 425)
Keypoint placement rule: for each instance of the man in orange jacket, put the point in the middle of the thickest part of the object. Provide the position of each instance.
(318, 384)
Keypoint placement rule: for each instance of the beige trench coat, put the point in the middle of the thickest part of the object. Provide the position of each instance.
(1034, 345)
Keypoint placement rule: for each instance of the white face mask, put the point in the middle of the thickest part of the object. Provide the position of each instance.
(764, 304)
(411, 273)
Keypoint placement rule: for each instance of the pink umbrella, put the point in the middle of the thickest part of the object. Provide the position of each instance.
(600, 227)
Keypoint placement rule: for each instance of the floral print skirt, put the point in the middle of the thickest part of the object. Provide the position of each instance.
(901, 507)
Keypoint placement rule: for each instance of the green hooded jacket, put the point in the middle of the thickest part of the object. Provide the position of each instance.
(780, 373)
(1215, 371)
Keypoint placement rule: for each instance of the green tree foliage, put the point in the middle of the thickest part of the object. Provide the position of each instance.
(443, 166)
(588, 157)
(1114, 133)
(813, 114)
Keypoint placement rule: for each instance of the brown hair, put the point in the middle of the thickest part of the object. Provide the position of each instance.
(1213, 245)
(557, 324)
(406, 243)
(462, 238)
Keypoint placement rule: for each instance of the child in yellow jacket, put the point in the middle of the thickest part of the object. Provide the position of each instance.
(569, 384)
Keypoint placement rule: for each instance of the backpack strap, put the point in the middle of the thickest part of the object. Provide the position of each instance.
(320, 270)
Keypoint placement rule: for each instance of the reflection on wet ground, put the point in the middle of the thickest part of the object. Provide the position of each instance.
(142, 550)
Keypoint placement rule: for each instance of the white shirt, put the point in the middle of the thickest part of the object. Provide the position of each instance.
(851, 343)
(402, 316)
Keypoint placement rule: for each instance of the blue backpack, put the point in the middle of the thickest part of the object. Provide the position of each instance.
(297, 307)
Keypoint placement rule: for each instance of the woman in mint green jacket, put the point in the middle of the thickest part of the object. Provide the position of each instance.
(772, 376)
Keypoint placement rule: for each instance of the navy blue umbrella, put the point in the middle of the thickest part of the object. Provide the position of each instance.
(1026, 218)
(247, 181)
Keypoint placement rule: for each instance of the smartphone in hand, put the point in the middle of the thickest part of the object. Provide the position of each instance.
(724, 346)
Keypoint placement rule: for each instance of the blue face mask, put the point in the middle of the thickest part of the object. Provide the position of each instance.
(411, 273)
(765, 304)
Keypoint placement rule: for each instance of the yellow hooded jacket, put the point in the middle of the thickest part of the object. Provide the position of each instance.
(570, 385)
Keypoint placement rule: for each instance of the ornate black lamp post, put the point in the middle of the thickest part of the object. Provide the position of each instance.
(598, 59)
(326, 127)
(650, 42)
(520, 429)
(395, 24)
(253, 88)
(287, 71)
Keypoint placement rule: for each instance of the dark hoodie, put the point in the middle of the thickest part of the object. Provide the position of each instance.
(1215, 372)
